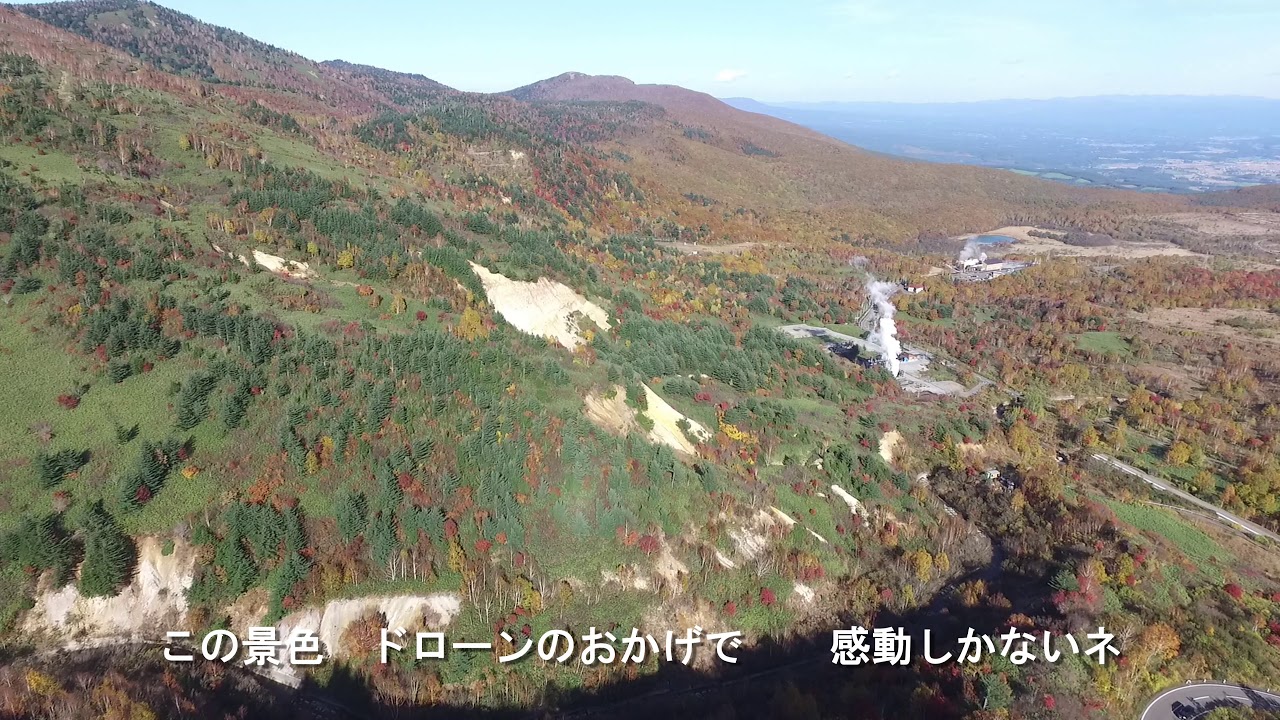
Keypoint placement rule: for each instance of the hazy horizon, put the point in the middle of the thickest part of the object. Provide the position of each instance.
(1127, 96)
(838, 50)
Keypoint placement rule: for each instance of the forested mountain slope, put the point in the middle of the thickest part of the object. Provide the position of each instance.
(740, 157)
(180, 44)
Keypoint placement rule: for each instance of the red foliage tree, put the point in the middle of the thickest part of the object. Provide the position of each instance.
(648, 544)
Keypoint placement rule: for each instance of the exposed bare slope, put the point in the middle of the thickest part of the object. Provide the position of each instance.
(544, 308)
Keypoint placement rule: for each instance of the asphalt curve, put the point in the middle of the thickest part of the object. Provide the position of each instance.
(1188, 702)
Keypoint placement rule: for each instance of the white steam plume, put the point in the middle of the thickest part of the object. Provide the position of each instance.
(886, 332)
(972, 251)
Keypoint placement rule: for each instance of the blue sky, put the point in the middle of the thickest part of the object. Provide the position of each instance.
(845, 50)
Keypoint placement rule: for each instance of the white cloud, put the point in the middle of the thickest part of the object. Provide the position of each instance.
(729, 75)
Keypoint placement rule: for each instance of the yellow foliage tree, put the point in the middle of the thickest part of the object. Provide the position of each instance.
(471, 326)
(1018, 502)
(1158, 643)
(1118, 436)
(42, 684)
(733, 432)
(942, 562)
(530, 598)
(1023, 439)
(972, 593)
(326, 449)
(1090, 437)
(457, 558)
(922, 562)
(1179, 453)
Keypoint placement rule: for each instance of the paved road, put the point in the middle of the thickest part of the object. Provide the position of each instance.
(1163, 486)
(1188, 702)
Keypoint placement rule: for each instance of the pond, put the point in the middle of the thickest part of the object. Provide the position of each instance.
(993, 240)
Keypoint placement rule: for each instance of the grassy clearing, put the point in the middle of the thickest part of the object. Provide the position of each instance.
(847, 329)
(814, 513)
(942, 322)
(1103, 343)
(982, 315)
(55, 168)
(40, 371)
(811, 408)
(1204, 551)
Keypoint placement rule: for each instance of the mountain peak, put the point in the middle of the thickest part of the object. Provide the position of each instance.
(573, 75)
(575, 86)
(571, 86)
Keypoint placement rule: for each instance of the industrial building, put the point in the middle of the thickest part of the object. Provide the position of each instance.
(980, 270)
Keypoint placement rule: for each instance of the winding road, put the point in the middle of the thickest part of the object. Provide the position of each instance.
(1188, 702)
(1164, 487)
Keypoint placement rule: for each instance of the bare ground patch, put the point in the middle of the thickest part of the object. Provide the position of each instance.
(1028, 244)
(696, 249)
(610, 411)
(888, 444)
(156, 598)
(545, 308)
(1235, 323)
(1248, 224)
(1169, 378)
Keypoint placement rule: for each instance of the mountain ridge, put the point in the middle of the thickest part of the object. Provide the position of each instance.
(721, 151)
(703, 147)
(187, 47)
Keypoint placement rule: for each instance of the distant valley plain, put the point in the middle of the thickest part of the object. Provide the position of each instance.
(1156, 143)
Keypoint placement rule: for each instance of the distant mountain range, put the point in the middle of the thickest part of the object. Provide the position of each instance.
(1177, 143)
(1165, 114)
